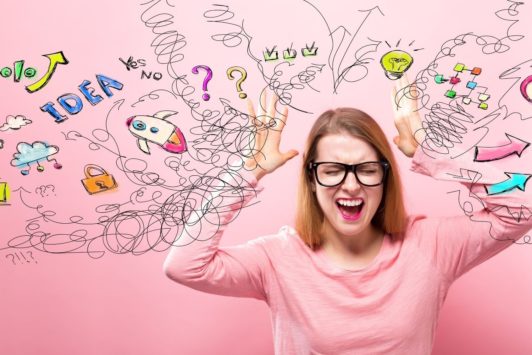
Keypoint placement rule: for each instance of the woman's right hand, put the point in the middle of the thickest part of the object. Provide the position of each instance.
(265, 156)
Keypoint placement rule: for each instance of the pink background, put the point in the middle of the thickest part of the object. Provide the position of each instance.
(123, 304)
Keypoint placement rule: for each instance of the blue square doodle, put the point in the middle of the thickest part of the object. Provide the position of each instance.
(471, 85)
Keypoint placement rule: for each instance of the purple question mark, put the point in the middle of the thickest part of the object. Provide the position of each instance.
(205, 96)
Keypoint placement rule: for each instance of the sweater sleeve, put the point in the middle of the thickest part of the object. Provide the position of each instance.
(196, 260)
(489, 224)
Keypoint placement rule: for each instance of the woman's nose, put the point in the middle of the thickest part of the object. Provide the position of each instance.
(351, 182)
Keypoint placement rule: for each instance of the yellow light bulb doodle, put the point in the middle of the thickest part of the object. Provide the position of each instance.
(239, 82)
(396, 63)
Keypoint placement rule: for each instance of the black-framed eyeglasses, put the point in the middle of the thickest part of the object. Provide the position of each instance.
(330, 174)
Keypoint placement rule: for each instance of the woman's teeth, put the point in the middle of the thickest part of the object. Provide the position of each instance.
(349, 203)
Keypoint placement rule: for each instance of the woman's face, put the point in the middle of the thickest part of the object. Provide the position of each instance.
(350, 206)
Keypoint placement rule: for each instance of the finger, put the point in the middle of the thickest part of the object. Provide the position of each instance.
(394, 102)
(405, 80)
(276, 131)
(399, 94)
(252, 118)
(403, 129)
(262, 108)
(396, 140)
(400, 84)
(289, 155)
(262, 119)
(251, 111)
(282, 120)
(418, 131)
(273, 137)
(414, 94)
(260, 132)
(272, 109)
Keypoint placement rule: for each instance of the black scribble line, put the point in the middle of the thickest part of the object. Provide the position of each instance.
(159, 223)
(517, 73)
(135, 169)
(471, 177)
(209, 135)
(221, 14)
(168, 42)
(337, 57)
(447, 123)
(137, 231)
(489, 44)
(218, 143)
(124, 228)
(153, 95)
(100, 135)
(299, 81)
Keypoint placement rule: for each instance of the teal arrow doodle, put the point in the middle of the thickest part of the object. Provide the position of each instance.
(516, 180)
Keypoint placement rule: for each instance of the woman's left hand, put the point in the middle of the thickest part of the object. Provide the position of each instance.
(407, 119)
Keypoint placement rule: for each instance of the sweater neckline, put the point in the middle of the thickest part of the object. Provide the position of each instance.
(323, 262)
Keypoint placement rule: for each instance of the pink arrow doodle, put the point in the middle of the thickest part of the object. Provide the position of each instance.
(516, 146)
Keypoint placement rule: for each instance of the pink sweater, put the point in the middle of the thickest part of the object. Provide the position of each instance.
(389, 307)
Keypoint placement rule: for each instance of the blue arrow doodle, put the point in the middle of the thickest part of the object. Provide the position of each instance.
(516, 180)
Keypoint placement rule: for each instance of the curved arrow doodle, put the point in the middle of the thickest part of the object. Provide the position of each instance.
(516, 180)
(516, 146)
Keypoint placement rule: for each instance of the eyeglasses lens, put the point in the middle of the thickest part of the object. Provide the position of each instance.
(332, 174)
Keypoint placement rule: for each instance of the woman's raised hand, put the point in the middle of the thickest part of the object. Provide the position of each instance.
(268, 126)
(407, 119)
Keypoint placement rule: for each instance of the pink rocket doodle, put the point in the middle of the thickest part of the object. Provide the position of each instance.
(157, 130)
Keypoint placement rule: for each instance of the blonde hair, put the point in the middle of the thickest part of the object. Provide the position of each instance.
(391, 214)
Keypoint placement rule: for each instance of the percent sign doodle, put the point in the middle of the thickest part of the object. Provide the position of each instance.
(18, 67)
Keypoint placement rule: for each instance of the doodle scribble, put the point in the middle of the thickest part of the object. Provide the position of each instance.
(168, 43)
(488, 44)
(221, 14)
(446, 124)
(472, 202)
(180, 190)
(520, 74)
(135, 231)
(340, 51)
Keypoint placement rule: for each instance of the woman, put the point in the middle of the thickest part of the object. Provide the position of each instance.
(356, 276)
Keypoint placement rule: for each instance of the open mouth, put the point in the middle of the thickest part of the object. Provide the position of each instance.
(350, 209)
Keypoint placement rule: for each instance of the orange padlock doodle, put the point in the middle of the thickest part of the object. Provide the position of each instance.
(97, 182)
